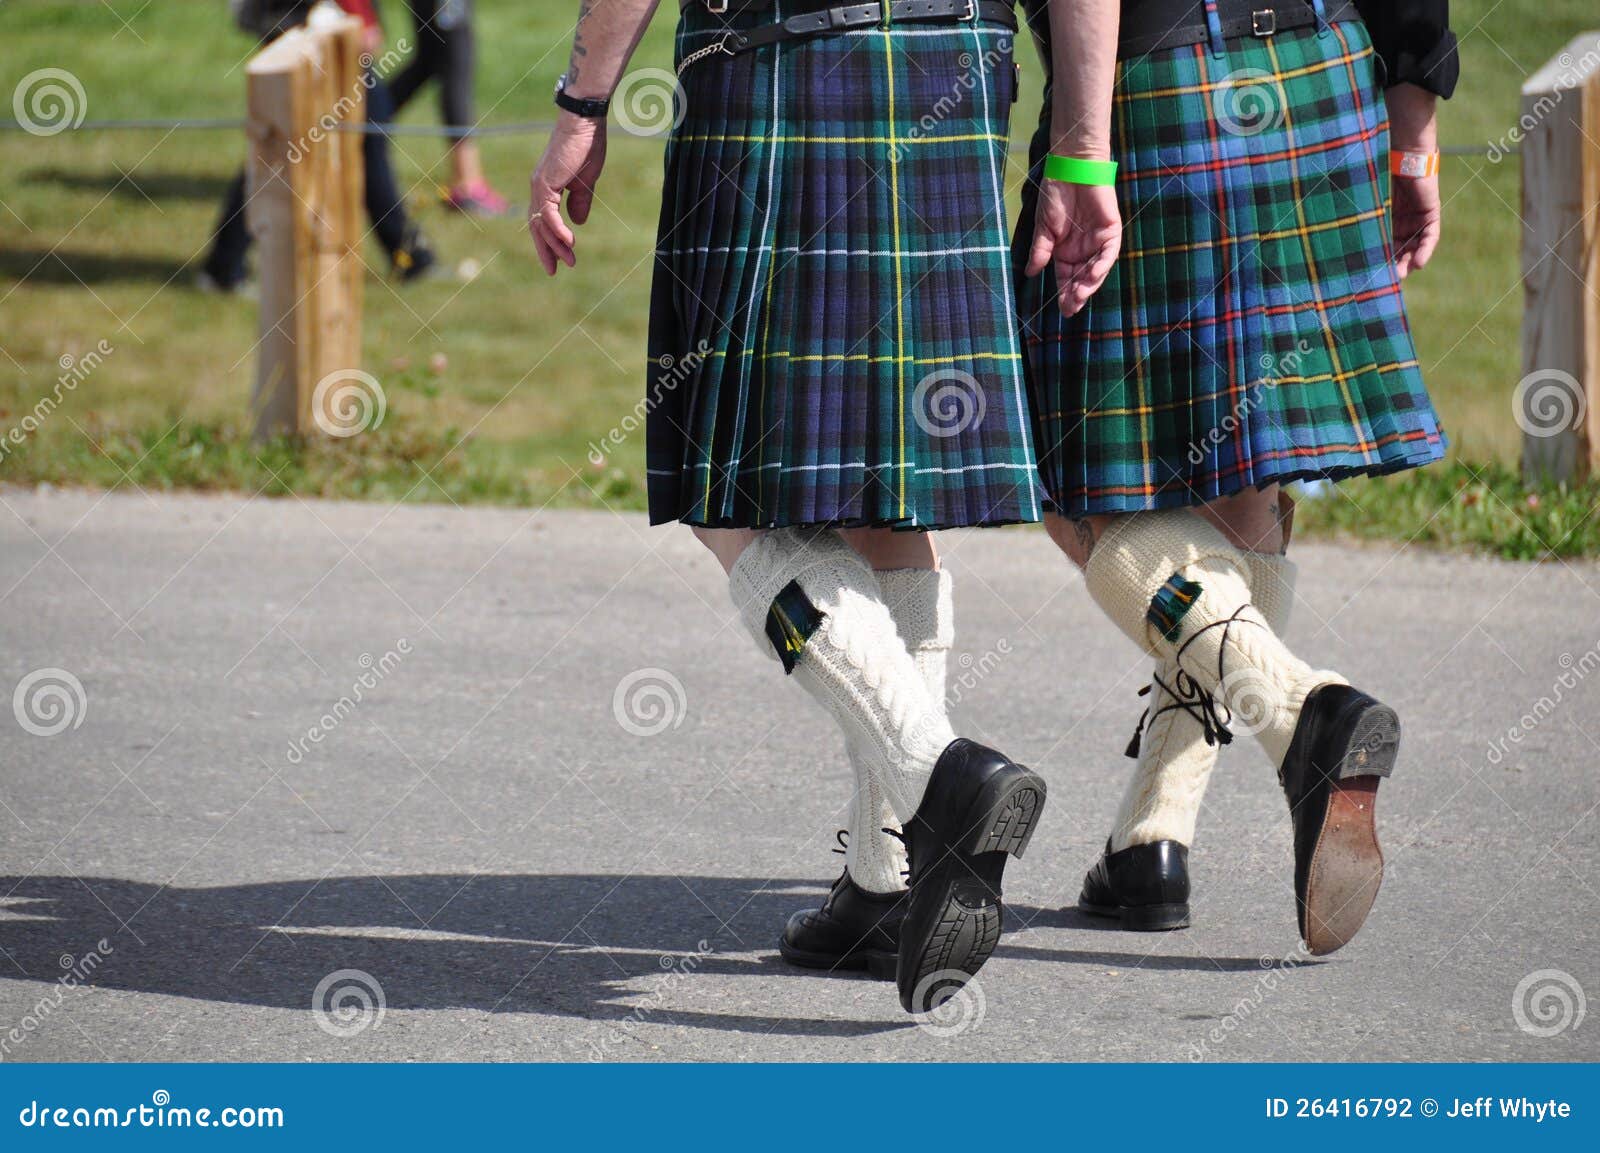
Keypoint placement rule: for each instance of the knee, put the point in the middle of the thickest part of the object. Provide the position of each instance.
(885, 549)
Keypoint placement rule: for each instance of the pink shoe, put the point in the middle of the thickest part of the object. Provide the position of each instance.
(477, 200)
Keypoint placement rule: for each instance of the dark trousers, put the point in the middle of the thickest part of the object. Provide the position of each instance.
(385, 206)
(445, 52)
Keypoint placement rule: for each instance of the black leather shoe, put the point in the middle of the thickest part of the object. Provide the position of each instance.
(1344, 744)
(978, 807)
(1144, 887)
(854, 930)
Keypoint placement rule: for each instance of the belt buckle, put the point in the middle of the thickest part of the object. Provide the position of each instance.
(1264, 22)
(717, 7)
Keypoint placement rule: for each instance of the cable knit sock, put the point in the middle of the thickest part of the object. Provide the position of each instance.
(919, 600)
(1174, 763)
(809, 597)
(1175, 585)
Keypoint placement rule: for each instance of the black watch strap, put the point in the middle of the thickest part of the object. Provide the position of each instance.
(590, 109)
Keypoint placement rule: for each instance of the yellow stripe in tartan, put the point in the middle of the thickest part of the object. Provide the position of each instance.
(721, 138)
(1314, 279)
(864, 358)
(1299, 230)
(1206, 86)
(1186, 404)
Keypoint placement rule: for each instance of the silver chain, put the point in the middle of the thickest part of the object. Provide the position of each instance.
(708, 50)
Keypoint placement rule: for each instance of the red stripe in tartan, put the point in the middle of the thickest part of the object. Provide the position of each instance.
(1217, 165)
(1241, 468)
(1232, 316)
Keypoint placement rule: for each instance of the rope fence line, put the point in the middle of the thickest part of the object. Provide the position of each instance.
(523, 128)
(237, 124)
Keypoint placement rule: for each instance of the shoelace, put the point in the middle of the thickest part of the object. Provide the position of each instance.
(843, 837)
(1186, 694)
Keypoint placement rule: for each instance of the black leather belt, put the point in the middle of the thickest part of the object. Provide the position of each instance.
(848, 16)
(1153, 25)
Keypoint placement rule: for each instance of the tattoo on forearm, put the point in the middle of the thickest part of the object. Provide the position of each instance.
(579, 51)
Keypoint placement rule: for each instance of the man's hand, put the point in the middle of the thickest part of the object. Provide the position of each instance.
(1417, 218)
(571, 164)
(1079, 230)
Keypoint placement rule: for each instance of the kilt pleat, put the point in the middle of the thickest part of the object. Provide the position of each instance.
(832, 267)
(1252, 331)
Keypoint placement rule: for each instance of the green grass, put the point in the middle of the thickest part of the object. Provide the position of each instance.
(99, 232)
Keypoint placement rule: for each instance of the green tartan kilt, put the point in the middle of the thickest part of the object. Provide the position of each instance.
(833, 334)
(1253, 330)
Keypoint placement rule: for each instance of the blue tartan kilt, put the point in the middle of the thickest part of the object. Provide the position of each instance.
(833, 334)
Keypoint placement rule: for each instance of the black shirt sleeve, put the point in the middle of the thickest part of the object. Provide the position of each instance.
(1414, 41)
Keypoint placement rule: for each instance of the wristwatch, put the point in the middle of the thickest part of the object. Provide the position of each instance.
(589, 109)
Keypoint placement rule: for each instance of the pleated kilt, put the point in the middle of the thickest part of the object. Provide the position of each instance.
(833, 333)
(1253, 330)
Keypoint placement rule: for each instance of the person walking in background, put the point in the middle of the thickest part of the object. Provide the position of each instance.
(1251, 333)
(410, 255)
(446, 52)
(837, 374)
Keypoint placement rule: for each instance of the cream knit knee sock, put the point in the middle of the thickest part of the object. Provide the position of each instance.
(853, 662)
(919, 600)
(1203, 618)
(1162, 802)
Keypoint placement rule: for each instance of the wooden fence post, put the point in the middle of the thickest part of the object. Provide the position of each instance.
(1558, 399)
(306, 188)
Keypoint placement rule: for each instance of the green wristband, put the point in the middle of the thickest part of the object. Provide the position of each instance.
(1075, 170)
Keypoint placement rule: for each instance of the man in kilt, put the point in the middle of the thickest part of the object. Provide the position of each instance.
(1250, 333)
(836, 373)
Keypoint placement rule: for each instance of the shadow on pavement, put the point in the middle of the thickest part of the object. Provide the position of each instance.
(598, 947)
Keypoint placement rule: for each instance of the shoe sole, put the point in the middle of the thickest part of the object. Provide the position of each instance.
(1002, 821)
(1347, 864)
(878, 963)
(1141, 918)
